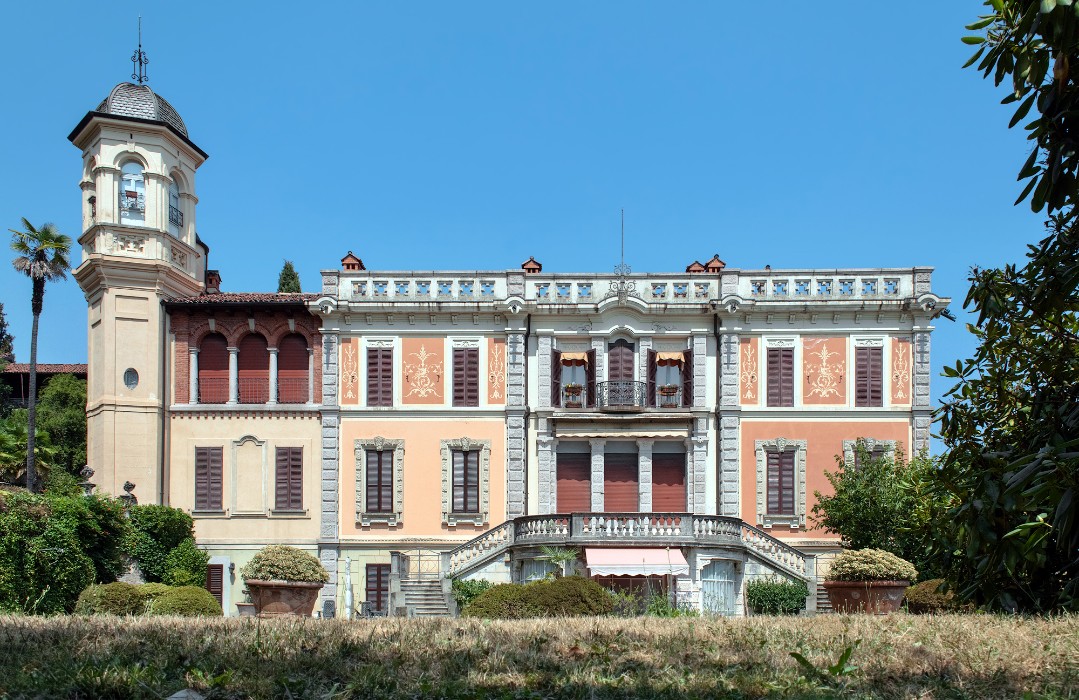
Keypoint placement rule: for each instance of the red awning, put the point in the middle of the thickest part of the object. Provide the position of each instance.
(635, 562)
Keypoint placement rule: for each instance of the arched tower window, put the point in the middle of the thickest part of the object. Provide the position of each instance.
(213, 369)
(292, 369)
(254, 369)
(176, 217)
(132, 194)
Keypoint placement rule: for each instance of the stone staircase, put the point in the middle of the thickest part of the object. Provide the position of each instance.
(424, 597)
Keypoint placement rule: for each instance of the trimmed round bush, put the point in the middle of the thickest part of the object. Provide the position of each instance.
(151, 591)
(186, 601)
(117, 598)
(871, 565)
(278, 562)
(925, 598)
(561, 597)
(772, 596)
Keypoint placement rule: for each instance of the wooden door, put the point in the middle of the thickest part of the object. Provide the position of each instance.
(620, 361)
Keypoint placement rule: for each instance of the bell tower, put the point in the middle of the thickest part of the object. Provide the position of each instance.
(139, 248)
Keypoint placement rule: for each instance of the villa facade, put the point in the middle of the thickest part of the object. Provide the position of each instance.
(406, 426)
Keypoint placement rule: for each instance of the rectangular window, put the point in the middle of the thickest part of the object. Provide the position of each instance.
(379, 481)
(780, 376)
(215, 582)
(466, 377)
(288, 491)
(781, 483)
(208, 478)
(380, 376)
(378, 586)
(466, 481)
(869, 377)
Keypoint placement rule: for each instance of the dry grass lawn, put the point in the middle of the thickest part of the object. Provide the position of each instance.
(897, 656)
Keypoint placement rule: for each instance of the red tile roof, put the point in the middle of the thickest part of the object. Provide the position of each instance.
(247, 298)
(24, 368)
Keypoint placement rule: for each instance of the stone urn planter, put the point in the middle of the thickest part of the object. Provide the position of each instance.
(868, 581)
(283, 580)
(280, 598)
(879, 597)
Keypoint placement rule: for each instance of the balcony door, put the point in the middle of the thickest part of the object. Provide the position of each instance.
(620, 361)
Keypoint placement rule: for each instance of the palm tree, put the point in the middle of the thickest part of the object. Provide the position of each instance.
(42, 256)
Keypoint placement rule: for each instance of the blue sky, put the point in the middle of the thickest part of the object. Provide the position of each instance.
(470, 135)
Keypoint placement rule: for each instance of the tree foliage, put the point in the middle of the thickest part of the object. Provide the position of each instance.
(155, 532)
(289, 279)
(13, 442)
(7, 341)
(62, 415)
(881, 504)
(1010, 423)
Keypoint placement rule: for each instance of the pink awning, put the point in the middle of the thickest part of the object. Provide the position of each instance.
(635, 562)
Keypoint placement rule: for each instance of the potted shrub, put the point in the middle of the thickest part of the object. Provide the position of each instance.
(868, 580)
(283, 580)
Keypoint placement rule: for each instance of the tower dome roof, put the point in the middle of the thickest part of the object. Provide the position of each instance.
(139, 101)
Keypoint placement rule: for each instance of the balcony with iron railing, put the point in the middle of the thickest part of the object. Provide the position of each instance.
(176, 217)
(213, 390)
(254, 390)
(292, 390)
(621, 395)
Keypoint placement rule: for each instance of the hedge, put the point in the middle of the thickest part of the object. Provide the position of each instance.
(186, 601)
(567, 596)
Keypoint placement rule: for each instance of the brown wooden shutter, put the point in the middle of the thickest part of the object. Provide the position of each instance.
(379, 495)
(288, 483)
(556, 377)
(466, 377)
(620, 489)
(687, 377)
(652, 370)
(208, 478)
(668, 483)
(780, 376)
(590, 378)
(620, 361)
(379, 376)
(377, 590)
(869, 377)
(574, 483)
(215, 582)
(472, 485)
(781, 483)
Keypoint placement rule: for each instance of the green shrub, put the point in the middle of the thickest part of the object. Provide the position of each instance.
(185, 565)
(871, 565)
(466, 590)
(926, 597)
(505, 600)
(277, 562)
(52, 547)
(152, 591)
(566, 596)
(661, 605)
(186, 601)
(773, 596)
(626, 603)
(156, 531)
(117, 598)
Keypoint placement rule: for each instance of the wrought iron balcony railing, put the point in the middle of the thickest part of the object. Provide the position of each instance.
(254, 389)
(176, 217)
(213, 389)
(621, 395)
(292, 390)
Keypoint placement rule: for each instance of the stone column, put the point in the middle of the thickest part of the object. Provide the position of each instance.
(234, 375)
(544, 346)
(516, 442)
(700, 371)
(729, 422)
(548, 483)
(193, 371)
(923, 414)
(644, 475)
(273, 375)
(329, 543)
(598, 446)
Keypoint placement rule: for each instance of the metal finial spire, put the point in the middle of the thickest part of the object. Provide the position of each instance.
(139, 61)
(623, 269)
(623, 288)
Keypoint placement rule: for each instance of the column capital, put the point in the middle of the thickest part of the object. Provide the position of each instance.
(597, 442)
(645, 443)
(233, 351)
(272, 351)
(191, 349)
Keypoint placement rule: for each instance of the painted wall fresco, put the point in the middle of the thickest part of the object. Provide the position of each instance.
(496, 370)
(824, 371)
(350, 371)
(901, 365)
(423, 371)
(749, 379)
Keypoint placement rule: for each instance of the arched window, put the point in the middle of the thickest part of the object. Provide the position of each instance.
(176, 217)
(254, 369)
(292, 372)
(132, 194)
(213, 369)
